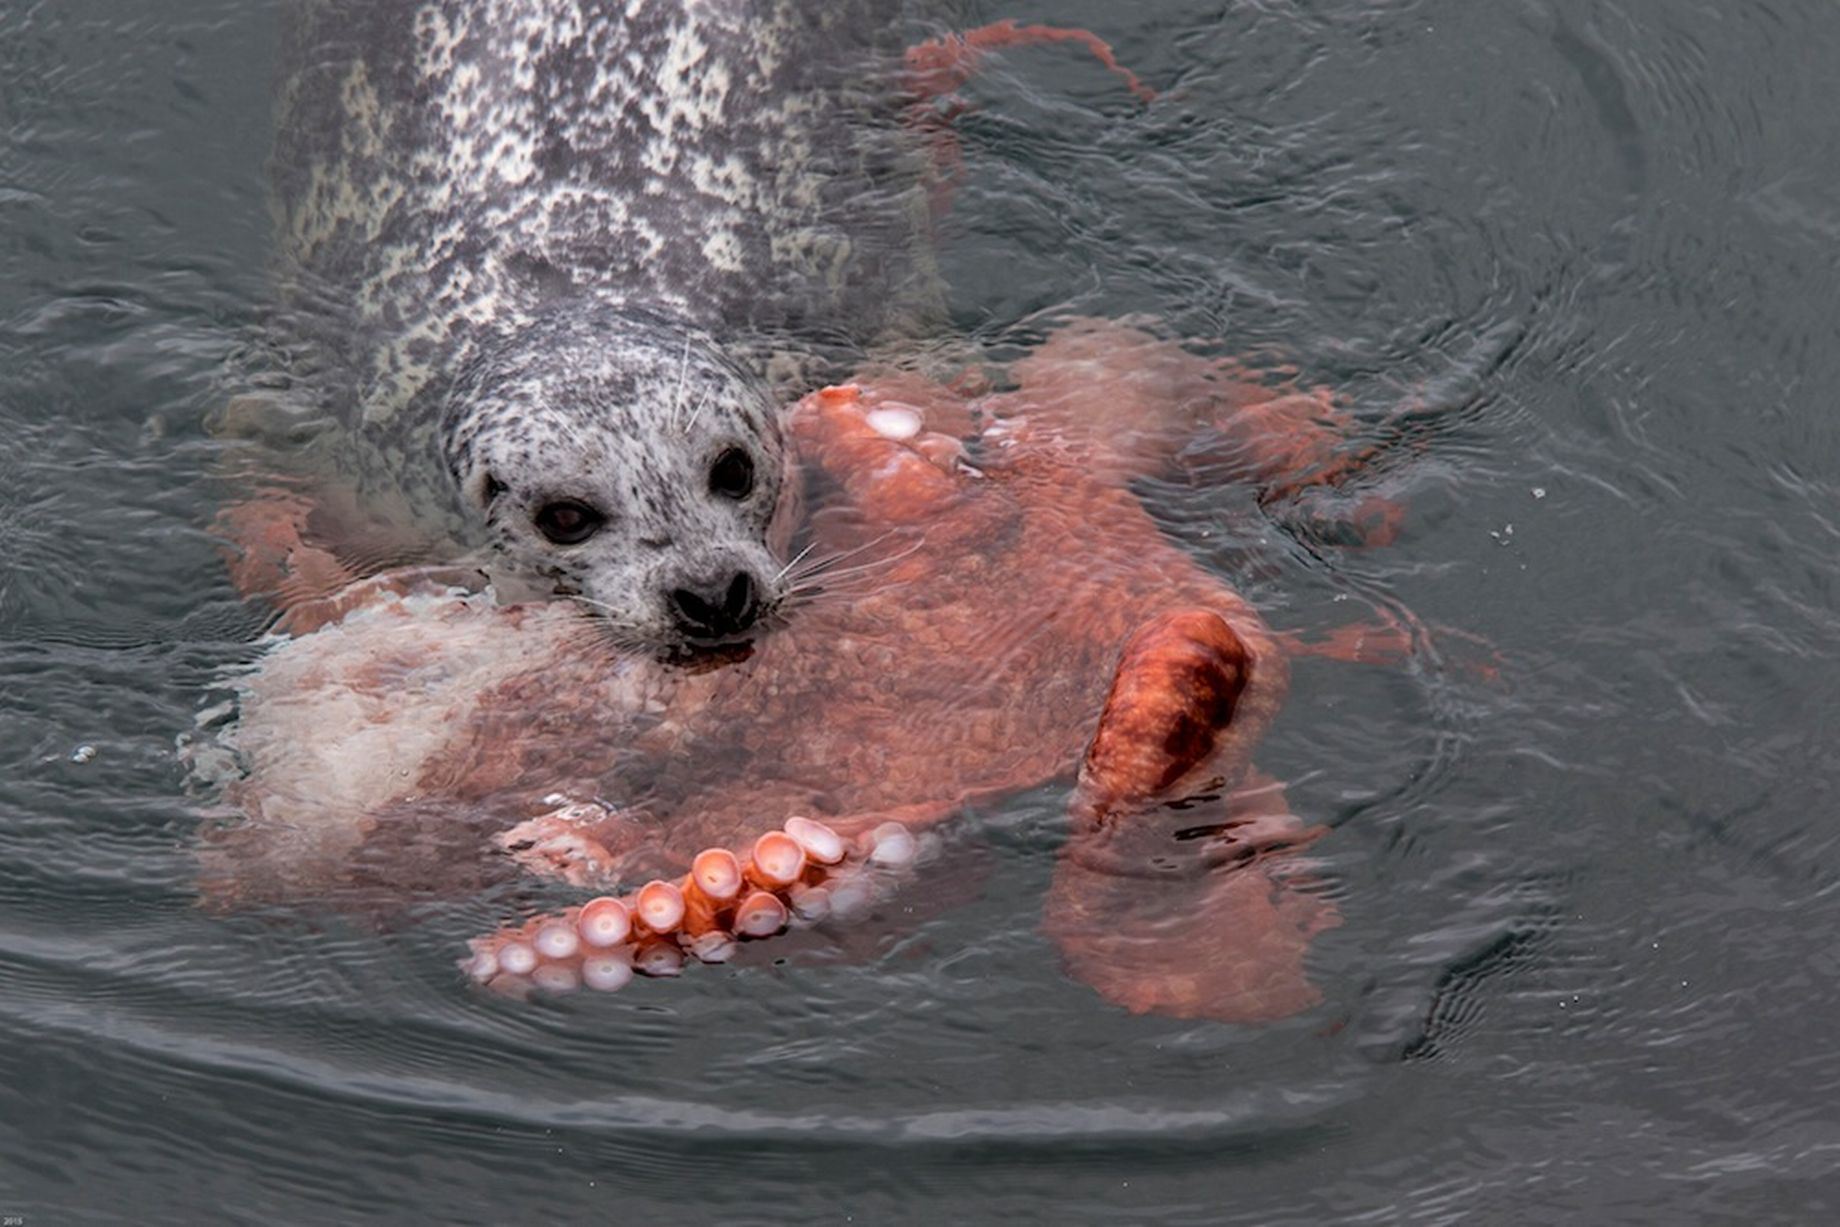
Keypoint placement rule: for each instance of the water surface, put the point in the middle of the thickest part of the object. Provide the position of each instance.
(1588, 959)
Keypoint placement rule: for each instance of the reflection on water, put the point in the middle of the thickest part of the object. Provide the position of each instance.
(1585, 888)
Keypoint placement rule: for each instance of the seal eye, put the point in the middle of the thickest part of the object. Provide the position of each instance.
(732, 475)
(567, 522)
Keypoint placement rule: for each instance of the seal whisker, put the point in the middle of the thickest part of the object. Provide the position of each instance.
(849, 584)
(819, 565)
(608, 634)
(796, 559)
(861, 570)
(683, 372)
(832, 577)
(590, 601)
(820, 594)
(700, 406)
(604, 632)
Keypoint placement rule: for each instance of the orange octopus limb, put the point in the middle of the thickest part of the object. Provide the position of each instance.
(1361, 643)
(602, 943)
(269, 550)
(938, 67)
(1216, 925)
(1133, 404)
(1172, 700)
(1208, 920)
(881, 473)
(1230, 944)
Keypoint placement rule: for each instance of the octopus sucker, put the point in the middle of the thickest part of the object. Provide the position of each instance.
(604, 922)
(895, 421)
(776, 861)
(556, 940)
(717, 873)
(518, 958)
(761, 914)
(556, 978)
(660, 907)
(892, 846)
(811, 904)
(483, 966)
(590, 945)
(823, 845)
(851, 896)
(606, 973)
(713, 947)
(659, 959)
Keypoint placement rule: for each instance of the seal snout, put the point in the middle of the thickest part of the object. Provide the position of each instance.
(716, 606)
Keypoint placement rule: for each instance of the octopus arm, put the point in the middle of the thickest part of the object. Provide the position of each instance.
(310, 559)
(1180, 889)
(803, 873)
(271, 550)
(1134, 404)
(875, 455)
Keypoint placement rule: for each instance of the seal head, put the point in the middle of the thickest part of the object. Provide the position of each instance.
(510, 235)
(621, 457)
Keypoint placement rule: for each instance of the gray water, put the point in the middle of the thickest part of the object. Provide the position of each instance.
(1588, 963)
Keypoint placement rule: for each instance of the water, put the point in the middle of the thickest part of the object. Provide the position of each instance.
(1587, 961)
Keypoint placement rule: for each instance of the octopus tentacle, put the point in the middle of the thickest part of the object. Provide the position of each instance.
(1179, 910)
(882, 465)
(1392, 639)
(270, 551)
(660, 907)
(1132, 404)
(804, 873)
(1228, 943)
(938, 67)
(1173, 699)
(575, 842)
(1362, 643)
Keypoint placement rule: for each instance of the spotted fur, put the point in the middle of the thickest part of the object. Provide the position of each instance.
(544, 249)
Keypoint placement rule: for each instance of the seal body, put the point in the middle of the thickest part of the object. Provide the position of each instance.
(552, 265)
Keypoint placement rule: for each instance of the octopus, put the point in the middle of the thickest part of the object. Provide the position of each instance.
(982, 606)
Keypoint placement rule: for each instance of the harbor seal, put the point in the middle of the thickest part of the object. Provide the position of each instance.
(550, 267)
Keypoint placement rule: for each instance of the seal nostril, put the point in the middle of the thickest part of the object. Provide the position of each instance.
(739, 603)
(696, 616)
(716, 610)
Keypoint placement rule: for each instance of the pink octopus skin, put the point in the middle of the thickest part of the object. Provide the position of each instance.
(985, 607)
